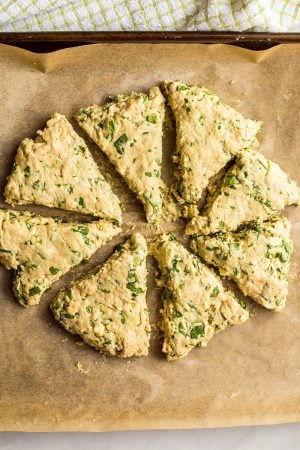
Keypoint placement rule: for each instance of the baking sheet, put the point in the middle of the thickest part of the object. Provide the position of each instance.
(248, 374)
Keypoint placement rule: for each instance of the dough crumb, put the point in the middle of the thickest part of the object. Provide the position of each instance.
(79, 367)
(233, 394)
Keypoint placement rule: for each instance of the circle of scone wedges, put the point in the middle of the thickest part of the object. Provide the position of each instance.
(239, 232)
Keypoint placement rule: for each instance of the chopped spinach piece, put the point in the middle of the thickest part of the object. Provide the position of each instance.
(27, 171)
(182, 87)
(181, 329)
(69, 316)
(242, 303)
(176, 314)
(123, 317)
(34, 290)
(132, 283)
(196, 331)
(82, 230)
(119, 143)
(111, 128)
(3, 250)
(171, 237)
(86, 111)
(103, 289)
(231, 180)
(151, 118)
(201, 119)
(176, 260)
(215, 292)
(81, 202)
(79, 149)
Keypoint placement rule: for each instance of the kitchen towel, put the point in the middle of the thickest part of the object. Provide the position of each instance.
(148, 15)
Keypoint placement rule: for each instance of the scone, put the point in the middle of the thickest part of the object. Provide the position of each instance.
(254, 189)
(107, 308)
(129, 129)
(256, 258)
(42, 249)
(57, 170)
(208, 134)
(196, 306)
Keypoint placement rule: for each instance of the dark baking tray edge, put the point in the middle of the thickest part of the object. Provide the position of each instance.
(49, 41)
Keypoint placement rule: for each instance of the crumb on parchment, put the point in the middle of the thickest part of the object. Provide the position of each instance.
(79, 367)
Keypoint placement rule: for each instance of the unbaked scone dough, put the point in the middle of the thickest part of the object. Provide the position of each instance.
(256, 258)
(129, 129)
(108, 308)
(209, 133)
(254, 189)
(196, 306)
(57, 170)
(42, 249)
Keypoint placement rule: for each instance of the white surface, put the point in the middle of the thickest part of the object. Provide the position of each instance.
(276, 437)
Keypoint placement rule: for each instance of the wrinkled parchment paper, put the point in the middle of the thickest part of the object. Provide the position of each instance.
(248, 374)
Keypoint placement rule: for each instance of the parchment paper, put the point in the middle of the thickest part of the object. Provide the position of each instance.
(248, 374)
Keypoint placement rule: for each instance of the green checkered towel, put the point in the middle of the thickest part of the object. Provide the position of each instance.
(117, 15)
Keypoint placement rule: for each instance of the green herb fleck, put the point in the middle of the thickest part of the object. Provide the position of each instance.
(171, 237)
(151, 118)
(231, 180)
(196, 331)
(82, 230)
(53, 270)
(79, 149)
(176, 314)
(38, 185)
(176, 260)
(181, 329)
(123, 317)
(103, 289)
(34, 290)
(119, 143)
(132, 283)
(112, 129)
(27, 171)
(215, 292)
(81, 202)
(3, 250)
(287, 247)
(182, 87)
(87, 112)
(242, 304)
(68, 316)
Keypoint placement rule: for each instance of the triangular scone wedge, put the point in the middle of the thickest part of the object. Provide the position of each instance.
(42, 249)
(256, 258)
(209, 133)
(254, 189)
(128, 129)
(58, 170)
(108, 309)
(196, 304)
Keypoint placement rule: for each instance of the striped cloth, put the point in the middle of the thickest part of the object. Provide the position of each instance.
(118, 15)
